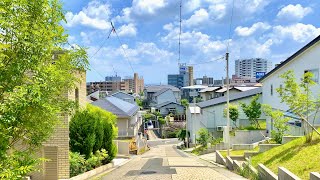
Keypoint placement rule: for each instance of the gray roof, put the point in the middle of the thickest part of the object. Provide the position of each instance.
(120, 92)
(117, 106)
(161, 91)
(234, 97)
(166, 103)
(156, 88)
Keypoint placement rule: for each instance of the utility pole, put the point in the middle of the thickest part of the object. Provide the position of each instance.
(228, 116)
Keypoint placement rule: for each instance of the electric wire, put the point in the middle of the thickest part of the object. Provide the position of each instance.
(206, 62)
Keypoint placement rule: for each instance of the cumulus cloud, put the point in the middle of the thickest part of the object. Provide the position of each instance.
(298, 32)
(293, 13)
(248, 31)
(94, 15)
(127, 30)
(200, 16)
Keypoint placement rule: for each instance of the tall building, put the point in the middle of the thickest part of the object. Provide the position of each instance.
(136, 84)
(184, 78)
(252, 68)
(113, 78)
(107, 86)
(207, 80)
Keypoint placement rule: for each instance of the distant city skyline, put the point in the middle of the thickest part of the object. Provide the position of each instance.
(148, 32)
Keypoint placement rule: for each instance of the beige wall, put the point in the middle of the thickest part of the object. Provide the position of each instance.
(58, 145)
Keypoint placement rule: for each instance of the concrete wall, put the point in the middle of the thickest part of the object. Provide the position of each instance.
(242, 146)
(265, 173)
(285, 174)
(122, 146)
(247, 136)
(229, 163)
(286, 139)
(220, 159)
(266, 147)
(314, 176)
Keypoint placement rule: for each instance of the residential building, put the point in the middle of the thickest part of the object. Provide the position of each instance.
(250, 68)
(190, 92)
(136, 84)
(209, 93)
(232, 90)
(209, 114)
(125, 96)
(170, 107)
(113, 78)
(304, 60)
(129, 118)
(162, 96)
(184, 78)
(207, 80)
(56, 148)
(107, 86)
(149, 91)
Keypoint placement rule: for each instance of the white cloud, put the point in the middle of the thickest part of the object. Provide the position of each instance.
(248, 31)
(148, 6)
(293, 13)
(127, 30)
(94, 15)
(298, 32)
(200, 16)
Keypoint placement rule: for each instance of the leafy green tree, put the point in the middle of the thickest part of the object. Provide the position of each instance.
(233, 113)
(204, 137)
(32, 83)
(181, 135)
(279, 123)
(253, 110)
(185, 103)
(301, 100)
(139, 102)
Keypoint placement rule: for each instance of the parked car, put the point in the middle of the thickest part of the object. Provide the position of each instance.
(150, 124)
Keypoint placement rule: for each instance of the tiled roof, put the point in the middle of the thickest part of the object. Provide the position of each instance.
(161, 91)
(156, 88)
(117, 106)
(209, 89)
(234, 97)
(166, 103)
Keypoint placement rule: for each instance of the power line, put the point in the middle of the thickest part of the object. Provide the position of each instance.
(124, 51)
(206, 62)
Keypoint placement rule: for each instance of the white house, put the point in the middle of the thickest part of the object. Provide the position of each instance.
(305, 59)
(211, 113)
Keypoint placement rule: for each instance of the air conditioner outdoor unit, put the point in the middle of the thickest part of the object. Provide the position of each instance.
(219, 128)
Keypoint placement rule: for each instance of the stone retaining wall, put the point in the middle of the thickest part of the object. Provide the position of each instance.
(286, 139)
(265, 173)
(266, 147)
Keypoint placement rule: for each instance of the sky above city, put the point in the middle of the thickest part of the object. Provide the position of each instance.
(148, 33)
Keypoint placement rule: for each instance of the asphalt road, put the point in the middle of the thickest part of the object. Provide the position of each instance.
(165, 162)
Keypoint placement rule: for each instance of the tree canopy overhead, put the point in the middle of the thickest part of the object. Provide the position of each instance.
(33, 79)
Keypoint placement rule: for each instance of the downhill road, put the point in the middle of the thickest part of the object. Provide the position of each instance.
(165, 162)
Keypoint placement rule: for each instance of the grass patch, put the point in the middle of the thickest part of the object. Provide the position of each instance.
(232, 152)
(262, 123)
(297, 156)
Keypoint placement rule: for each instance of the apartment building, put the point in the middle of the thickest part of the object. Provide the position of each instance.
(107, 86)
(252, 68)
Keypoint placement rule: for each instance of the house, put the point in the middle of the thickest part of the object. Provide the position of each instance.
(56, 149)
(128, 116)
(208, 93)
(170, 107)
(233, 90)
(211, 113)
(125, 96)
(149, 91)
(162, 96)
(189, 92)
(304, 60)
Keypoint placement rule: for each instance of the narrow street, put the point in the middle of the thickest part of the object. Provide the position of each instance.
(165, 162)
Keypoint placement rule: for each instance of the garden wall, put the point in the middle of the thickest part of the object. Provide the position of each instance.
(247, 136)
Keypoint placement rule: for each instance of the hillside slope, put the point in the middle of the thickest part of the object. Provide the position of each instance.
(296, 156)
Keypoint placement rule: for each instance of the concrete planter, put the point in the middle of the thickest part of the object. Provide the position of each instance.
(248, 136)
(93, 172)
(286, 139)
(266, 147)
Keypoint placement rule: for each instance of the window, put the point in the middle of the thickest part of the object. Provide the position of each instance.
(315, 73)
(271, 90)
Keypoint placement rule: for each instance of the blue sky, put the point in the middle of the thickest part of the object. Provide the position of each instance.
(148, 31)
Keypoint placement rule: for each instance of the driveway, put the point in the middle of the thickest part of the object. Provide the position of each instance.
(165, 162)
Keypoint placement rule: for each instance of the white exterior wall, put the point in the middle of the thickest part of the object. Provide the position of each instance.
(306, 61)
(193, 124)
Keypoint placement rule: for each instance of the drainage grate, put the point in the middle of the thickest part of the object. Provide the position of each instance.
(148, 172)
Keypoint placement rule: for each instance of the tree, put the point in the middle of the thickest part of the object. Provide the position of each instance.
(279, 123)
(93, 129)
(184, 103)
(181, 135)
(32, 83)
(300, 100)
(233, 113)
(204, 137)
(253, 110)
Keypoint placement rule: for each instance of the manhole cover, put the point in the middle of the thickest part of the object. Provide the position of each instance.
(148, 172)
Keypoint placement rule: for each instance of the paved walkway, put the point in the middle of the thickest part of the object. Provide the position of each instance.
(165, 162)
